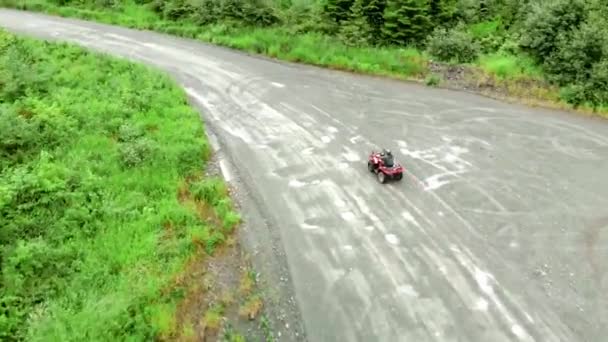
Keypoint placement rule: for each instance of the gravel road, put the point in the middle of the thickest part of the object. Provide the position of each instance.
(496, 233)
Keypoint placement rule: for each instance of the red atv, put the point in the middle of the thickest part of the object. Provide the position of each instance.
(383, 164)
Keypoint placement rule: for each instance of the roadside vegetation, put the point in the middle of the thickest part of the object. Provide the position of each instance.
(552, 52)
(108, 219)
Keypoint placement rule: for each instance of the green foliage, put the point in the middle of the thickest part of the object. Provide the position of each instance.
(175, 9)
(250, 12)
(555, 40)
(373, 10)
(356, 31)
(214, 192)
(405, 21)
(92, 151)
(575, 56)
(548, 23)
(508, 66)
(597, 85)
(301, 18)
(569, 39)
(489, 35)
(206, 12)
(432, 80)
(593, 91)
(134, 153)
(209, 190)
(442, 12)
(338, 10)
(455, 45)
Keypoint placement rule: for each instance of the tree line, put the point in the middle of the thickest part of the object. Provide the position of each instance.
(567, 39)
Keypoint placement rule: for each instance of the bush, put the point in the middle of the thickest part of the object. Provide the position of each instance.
(454, 45)
(569, 39)
(573, 94)
(547, 24)
(433, 80)
(489, 34)
(134, 153)
(598, 83)
(206, 12)
(576, 54)
(128, 132)
(210, 190)
(177, 9)
(593, 92)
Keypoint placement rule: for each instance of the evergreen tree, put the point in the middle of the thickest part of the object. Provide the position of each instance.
(374, 12)
(405, 21)
(206, 12)
(442, 12)
(338, 10)
(356, 30)
(483, 10)
(232, 10)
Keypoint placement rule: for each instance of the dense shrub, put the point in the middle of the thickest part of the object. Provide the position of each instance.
(569, 39)
(454, 44)
(576, 54)
(549, 23)
(206, 12)
(175, 9)
(593, 90)
(597, 86)
(489, 35)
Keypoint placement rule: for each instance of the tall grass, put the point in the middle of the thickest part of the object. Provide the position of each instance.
(318, 49)
(95, 154)
(485, 28)
(507, 66)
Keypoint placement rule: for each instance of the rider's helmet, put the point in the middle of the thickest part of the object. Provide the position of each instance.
(387, 152)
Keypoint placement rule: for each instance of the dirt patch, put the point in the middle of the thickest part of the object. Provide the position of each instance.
(454, 76)
(213, 300)
(219, 298)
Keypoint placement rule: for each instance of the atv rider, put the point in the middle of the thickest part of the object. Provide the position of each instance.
(387, 157)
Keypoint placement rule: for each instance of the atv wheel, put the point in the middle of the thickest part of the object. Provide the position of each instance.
(381, 177)
(399, 176)
(370, 167)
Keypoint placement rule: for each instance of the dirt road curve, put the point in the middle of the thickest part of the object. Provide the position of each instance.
(497, 232)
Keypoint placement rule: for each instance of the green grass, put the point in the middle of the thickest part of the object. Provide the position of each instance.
(213, 317)
(97, 155)
(485, 28)
(506, 66)
(317, 49)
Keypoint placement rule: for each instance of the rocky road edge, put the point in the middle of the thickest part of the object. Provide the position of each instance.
(261, 246)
